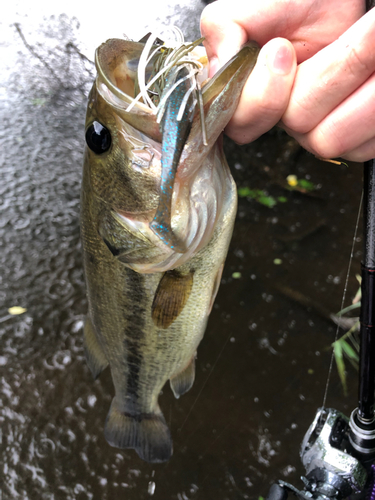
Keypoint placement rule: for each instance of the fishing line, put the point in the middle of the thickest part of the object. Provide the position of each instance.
(216, 439)
(205, 382)
(343, 299)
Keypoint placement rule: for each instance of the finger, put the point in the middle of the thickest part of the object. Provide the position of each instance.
(346, 128)
(330, 76)
(363, 153)
(227, 24)
(223, 37)
(266, 93)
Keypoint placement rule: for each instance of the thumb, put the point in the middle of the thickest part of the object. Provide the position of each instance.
(266, 94)
(223, 37)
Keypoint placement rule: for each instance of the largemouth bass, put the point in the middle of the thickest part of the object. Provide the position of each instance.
(155, 230)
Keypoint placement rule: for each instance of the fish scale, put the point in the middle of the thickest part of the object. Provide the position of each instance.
(148, 303)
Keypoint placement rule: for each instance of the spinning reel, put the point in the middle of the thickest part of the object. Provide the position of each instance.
(337, 453)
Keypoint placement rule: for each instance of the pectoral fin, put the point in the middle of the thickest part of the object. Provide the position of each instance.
(94, 354)
(184, 380)
(171, 296)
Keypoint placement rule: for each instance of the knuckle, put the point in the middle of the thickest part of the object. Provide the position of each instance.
(355, 156)
(272, 109)
(327, 144)
(362, 153)
(299, 115)
(323, 150)
(211, 19)
(298, 124)
(356, 63)
(238, 135)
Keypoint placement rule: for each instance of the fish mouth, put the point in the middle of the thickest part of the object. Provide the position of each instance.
(176, 84)
(199, 179)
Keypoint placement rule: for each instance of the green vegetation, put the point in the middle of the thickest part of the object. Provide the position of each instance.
(260, 196)
(302, 185)
(347, 346)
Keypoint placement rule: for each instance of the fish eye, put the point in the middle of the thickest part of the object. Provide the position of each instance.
(98, 138)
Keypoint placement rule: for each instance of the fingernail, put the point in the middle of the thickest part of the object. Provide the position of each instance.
(282, 61)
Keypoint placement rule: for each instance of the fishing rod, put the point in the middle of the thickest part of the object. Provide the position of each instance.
(338, 452)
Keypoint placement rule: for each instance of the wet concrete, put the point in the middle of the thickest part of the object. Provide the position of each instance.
(263, 363)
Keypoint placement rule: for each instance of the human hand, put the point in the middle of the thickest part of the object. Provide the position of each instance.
(310, 25)
(331, 111)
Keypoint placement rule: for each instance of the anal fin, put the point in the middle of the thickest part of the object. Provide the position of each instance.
(146, 433)
(184, 380)
(95, 357)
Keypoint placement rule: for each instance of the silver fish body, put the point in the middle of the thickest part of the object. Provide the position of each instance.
(149, 304)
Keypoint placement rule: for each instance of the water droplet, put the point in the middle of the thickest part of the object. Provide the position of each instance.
(151, 488)
(91, 400)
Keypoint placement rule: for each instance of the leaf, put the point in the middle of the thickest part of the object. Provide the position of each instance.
(349, 351)
(15, 310)
(268, 201)
(244, 192)
(305, 184)
(337, 350)
(358, 295)
(349, 308)
(353, 340)
(258, 195)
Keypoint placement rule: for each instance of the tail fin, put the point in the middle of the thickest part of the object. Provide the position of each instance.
(147, 433)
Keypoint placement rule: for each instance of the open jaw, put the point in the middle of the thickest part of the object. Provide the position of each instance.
(196, 180)
(172, 229)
